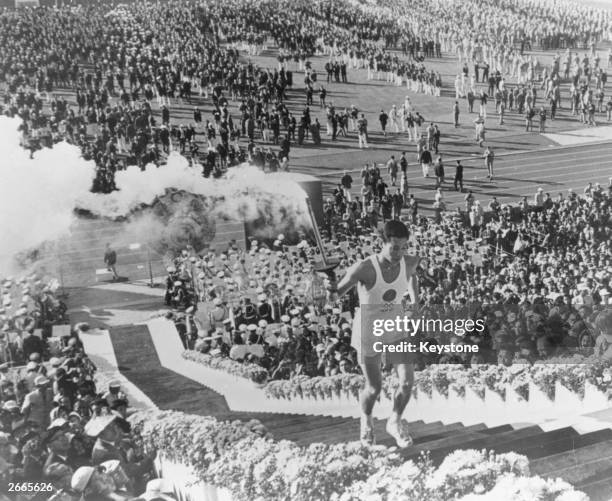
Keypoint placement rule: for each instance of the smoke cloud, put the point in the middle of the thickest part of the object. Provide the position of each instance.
(37, 196)
(172, 206)
(245, 193)
(166, 207)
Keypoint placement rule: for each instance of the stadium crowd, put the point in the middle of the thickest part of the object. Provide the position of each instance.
(112, 81)
(126, 69)
(538, 272)
(29, 312)
(63, 437)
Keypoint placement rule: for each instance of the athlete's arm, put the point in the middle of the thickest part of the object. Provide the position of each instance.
(413, 288)
(362, 272)
(350, 279)
(412, 262)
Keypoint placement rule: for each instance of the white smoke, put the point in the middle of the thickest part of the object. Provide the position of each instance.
(245, 193)
(37, 196)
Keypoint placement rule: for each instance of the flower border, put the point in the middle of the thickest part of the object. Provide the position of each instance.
(573, 373)
(243, 458)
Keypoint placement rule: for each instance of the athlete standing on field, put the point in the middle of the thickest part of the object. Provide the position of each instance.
(383, 279)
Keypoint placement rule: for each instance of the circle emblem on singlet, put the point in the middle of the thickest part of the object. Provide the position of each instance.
(389, 295)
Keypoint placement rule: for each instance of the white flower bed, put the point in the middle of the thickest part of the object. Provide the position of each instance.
(247, 465)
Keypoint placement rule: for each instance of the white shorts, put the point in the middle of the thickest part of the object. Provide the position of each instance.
(363, 342)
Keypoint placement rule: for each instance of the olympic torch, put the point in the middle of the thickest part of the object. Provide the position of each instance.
(328, 264)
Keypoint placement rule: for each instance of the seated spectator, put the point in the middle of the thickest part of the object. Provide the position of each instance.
(603, 344)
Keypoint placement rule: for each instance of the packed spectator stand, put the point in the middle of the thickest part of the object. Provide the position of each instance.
(128, 67)
(538, 270)
(539, 273)
(61, 428)
(30, 311)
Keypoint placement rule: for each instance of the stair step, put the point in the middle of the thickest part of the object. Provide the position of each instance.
(595, 470)
(443, 434)
(498, 429)
(310, 427)
(303, 429)
(460, 426)
(495, 442)
(325, 434)
(535, 439)
(351, 433)
(431, 433)
(549, 465)
(454, 439)
(230, 416)
(299, 419)
(597, 491)
(604, 473)
(282, 421)
(565, 443)
(420, 426)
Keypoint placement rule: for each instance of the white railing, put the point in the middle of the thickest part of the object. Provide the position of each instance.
(492, 410)
(243, 395)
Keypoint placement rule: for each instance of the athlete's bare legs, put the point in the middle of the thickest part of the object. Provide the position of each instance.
(405, 374)
(367, 398)
(396, 427)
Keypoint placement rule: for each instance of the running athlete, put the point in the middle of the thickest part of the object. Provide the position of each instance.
(383, 278)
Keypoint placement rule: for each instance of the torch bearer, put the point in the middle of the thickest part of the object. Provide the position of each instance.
(328, 265)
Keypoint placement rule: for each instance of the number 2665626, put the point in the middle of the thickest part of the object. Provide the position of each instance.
(30, 487)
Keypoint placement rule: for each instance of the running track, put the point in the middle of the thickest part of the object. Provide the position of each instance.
(516, 174)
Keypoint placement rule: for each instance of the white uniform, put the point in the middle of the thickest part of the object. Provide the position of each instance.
(380, 294)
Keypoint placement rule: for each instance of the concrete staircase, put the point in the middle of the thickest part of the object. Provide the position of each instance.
(583, 460)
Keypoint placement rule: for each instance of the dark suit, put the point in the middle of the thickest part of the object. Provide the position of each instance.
(459, 176)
